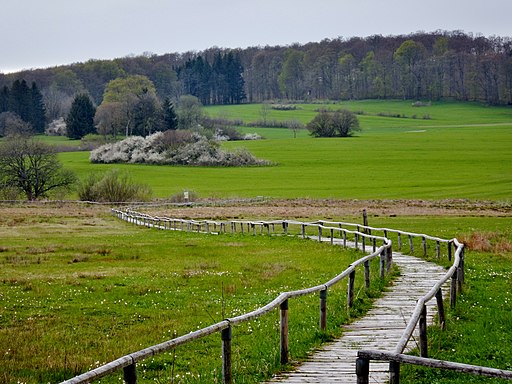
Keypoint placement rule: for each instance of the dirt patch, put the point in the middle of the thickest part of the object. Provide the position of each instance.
(265, 209)
(330, 209)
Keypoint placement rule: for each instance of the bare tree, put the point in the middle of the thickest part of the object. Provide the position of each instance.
(32, 168)
(12, 124)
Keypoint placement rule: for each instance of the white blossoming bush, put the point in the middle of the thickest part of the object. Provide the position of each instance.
(162, 148)
(251, 136)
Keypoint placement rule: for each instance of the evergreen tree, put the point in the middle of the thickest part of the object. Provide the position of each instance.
(80, 120)
(4, 99)
(170, 117)
(20, 100)
(37, 110)
(235, 80)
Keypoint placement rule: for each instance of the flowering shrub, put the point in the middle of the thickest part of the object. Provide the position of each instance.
(182, 149)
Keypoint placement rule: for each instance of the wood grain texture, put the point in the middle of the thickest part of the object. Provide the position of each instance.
(380, 329)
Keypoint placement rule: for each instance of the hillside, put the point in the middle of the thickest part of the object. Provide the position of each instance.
(431, 66)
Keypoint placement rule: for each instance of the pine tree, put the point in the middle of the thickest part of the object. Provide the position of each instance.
(37, 112)
(80, 120)
(20, 100)
(4, 99)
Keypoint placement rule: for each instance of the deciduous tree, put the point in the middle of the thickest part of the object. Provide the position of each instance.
(32, 168)
(341, 123)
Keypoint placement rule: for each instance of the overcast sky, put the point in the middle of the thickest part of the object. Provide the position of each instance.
(45, 33)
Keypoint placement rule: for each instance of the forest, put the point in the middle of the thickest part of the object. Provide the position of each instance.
(420, 66)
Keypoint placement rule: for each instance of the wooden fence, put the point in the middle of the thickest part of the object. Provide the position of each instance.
(342, 233)
(344, 236)
(455, 274)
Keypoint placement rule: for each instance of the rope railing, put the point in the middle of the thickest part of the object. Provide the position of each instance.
(128, 363)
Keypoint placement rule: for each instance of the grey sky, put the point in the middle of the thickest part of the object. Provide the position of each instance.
(44, 33)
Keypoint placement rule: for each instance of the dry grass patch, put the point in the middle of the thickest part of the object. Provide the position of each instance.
(492, 242)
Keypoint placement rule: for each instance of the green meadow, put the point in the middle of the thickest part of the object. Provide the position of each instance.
(80, 288)
(461, 151)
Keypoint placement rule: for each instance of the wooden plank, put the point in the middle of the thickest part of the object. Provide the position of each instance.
(380, 329)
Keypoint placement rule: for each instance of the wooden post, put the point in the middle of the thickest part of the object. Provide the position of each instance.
(285, 227)
(284, 331)
(226, 335)
(389, 259)
(344, 239)
(459, 277)
(363, 370)
(350, 292)
(382, 263)
(411, 247)
(423, 332)
(367, 274)
(303, 230)
(364, 243)
(323, 310)
(453, 290)
(332, 236)
(440, 309)
(365, 218)
(394, 372)
(424, 241)
(319, 233)
(461, 266)
(449, 251)
(399, 241)
(130, 374)
(374, 244)
(356, 240)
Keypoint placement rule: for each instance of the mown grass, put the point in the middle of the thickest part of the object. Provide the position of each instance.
(455, 154)
(80, 288)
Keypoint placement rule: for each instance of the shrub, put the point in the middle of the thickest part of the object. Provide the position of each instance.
(341, 123)
(113, 187)
(172, 147)
(273, 123)
(284, 107)
(251, 136)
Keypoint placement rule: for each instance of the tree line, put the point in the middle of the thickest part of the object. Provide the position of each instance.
(432, 66)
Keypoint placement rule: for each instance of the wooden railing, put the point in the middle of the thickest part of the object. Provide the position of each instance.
(419, 319)
(344, 236)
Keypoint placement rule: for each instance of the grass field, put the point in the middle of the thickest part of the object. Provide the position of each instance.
(80, 288)
(463, 151)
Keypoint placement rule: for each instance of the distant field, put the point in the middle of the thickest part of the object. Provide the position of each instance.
(462, 151)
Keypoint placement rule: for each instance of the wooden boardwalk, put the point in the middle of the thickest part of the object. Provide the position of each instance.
(380, 329)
